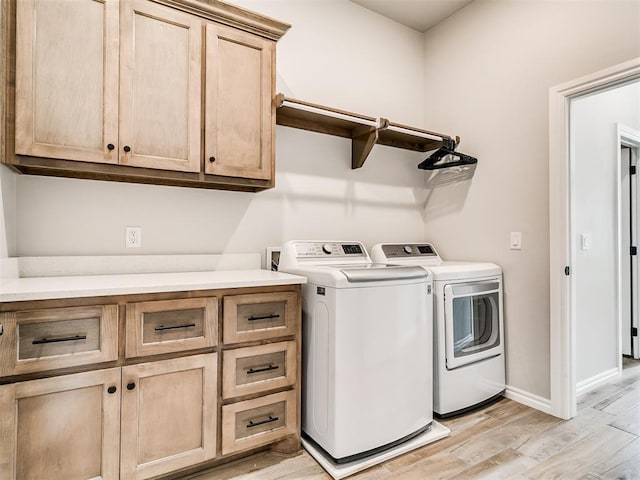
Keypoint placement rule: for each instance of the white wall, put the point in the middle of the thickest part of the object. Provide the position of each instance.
(595, 146)
(336, 53)
(488, 73)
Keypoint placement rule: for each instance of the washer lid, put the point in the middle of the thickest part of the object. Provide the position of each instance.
(376, 272)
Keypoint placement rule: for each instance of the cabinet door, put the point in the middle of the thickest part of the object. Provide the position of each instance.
(61, 428)
(168, 415)
(160, 87)
(67, 79)
(239, 114)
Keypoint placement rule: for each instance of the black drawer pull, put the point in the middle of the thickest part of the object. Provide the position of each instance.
(263, 369)
(60, 339)
(269, 316)
(159, 328)
(252, 424)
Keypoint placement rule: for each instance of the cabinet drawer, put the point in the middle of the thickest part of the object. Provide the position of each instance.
(259, 316)
(257, 422)
(258, 369)
(35, 340)
(166, 326)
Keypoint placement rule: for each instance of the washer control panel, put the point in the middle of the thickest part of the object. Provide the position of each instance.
(330, 249)
(409, 250)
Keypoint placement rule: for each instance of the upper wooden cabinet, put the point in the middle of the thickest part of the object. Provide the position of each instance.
(160, 78)
(240, 115)
(67, 79)
(173, 92)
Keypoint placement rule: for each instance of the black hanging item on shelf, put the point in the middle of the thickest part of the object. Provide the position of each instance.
(446, 157)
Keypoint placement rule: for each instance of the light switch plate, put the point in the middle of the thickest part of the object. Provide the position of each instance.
(515, 242)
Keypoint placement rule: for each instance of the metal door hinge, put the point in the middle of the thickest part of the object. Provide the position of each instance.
(634, 250)
(632, 169)
(634, 331)
(567, 271)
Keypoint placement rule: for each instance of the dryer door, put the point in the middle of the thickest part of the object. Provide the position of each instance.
(473, 321)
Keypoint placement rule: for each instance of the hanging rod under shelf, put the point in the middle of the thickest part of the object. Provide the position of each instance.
(363, 130)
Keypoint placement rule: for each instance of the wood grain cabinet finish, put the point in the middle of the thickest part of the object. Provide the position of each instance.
(67, 79)
(166, 326)
(258, 369)
(62, 427)
(168, 415)
(260, 316)
(160, 85)
(239, 113)
(173, 92)
(37, 340)
(256, 422)
(197, 396)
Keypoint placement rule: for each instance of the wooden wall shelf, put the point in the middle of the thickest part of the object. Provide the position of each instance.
(364, 131)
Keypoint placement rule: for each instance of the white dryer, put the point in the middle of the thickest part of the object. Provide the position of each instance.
(469, 365)
(367, 341)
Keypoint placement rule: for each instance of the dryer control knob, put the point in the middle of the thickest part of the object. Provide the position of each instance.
(407, 249)
(326, 248)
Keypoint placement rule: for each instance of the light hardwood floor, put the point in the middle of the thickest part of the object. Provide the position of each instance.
(503, 441)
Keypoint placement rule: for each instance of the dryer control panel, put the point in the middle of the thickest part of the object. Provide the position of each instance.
(409, 250)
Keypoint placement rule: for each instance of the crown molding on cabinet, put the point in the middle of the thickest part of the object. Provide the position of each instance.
(232, 16)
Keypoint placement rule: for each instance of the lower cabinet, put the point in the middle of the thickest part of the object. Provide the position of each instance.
(168, 415)
(61, 428)
(167, 393)
(86, 426)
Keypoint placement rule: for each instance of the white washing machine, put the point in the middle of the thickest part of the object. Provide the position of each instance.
(469, 365)
(367, 341)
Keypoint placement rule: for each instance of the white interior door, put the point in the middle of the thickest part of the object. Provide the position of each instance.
(629, 330)
(628, 239)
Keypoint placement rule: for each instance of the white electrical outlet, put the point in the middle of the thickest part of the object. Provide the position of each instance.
(133, 237)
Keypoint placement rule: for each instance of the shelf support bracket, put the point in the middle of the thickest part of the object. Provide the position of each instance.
(362, 141)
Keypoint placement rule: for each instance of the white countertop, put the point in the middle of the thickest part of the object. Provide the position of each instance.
(47, 288)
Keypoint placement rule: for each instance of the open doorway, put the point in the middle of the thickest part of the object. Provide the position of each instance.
(565, 238)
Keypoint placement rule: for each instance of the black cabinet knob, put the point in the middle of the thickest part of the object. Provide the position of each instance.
(131, 386)
(212, 159)
(111, 389)
(127, 148)
(111, 146)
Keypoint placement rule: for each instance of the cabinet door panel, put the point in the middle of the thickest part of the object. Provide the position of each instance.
(67, 79)
(61, 428)
(239, 113)
(160, 87)
(168, 415)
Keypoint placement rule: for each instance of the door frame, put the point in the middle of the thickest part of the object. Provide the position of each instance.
(562, 323)
(630, 138)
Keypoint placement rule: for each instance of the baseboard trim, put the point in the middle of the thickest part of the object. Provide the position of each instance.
(597, 380)
(529, 399)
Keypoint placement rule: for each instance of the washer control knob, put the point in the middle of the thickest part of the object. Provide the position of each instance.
(326, 248)
(407, 249)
